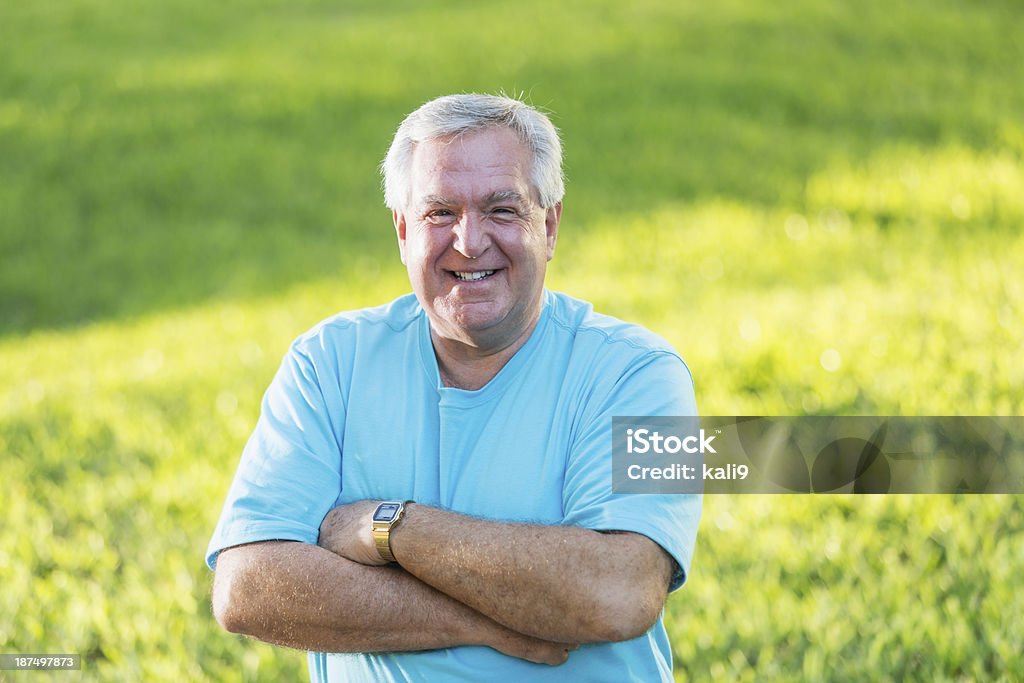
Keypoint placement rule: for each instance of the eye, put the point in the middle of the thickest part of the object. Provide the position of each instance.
(504, 210)
(439, 213)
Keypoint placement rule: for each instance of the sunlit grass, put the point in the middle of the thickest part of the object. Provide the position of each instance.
(119, 442)
(819, 204)
(143, 421)
(852, 588)
(918, 303)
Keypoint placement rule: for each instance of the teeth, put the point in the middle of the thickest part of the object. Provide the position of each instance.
(469, 277)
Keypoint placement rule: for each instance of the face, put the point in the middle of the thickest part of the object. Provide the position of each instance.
(474, 239)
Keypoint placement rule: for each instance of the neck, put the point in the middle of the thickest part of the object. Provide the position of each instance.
(470, 366)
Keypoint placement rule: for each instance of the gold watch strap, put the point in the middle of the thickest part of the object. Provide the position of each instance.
(382, 532)
(382, 539)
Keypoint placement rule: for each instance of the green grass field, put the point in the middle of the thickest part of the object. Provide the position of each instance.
(820, 204)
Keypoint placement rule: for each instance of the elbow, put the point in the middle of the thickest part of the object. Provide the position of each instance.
(229, 598)
(622, 614)
(626, 625)
(227, 613)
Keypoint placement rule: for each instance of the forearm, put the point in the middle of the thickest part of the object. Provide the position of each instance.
(553, 582)
(303, 596)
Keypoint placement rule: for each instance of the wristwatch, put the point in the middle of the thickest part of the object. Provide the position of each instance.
(385, 518)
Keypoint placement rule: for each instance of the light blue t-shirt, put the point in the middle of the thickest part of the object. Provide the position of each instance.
(357, 411)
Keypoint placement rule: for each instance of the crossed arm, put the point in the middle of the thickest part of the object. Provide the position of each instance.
(530, 591)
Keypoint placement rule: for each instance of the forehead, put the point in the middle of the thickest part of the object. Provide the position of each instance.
(471, 166)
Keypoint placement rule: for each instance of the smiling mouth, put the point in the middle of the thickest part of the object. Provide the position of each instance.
(475, 276)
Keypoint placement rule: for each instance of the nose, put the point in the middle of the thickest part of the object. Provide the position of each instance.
(471, 238)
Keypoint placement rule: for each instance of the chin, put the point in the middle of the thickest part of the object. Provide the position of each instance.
(473, 316)
(473, 324)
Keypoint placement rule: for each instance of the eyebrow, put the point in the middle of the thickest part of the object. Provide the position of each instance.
(498, 197)
(437, 200)
(504, 196)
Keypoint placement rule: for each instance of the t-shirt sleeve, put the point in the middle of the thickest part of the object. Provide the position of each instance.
(658, 383)
(289, 476)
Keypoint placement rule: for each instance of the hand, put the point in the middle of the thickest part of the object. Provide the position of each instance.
(507, 641)
(347, 530)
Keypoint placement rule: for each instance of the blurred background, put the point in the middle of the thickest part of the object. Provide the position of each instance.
(819, 203)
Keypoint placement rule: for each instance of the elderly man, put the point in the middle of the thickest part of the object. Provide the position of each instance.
(427, 495)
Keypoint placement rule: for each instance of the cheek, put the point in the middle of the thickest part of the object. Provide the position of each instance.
(539, 249)
(415, 248)
(422, 253)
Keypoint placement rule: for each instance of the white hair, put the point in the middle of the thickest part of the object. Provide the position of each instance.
(454, 115)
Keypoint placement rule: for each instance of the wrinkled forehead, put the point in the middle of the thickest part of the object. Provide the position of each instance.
(489, 162)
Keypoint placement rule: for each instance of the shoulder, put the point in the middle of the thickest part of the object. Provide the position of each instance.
(607, 340)
(347, 328)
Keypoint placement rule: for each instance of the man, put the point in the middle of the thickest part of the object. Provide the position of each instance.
(427, 494)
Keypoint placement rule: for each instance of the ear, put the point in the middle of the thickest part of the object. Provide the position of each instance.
(399, 218)
(552, 218)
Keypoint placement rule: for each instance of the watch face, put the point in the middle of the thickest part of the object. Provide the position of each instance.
(386, 512)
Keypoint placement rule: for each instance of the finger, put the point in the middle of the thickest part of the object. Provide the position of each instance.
(557, 656)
